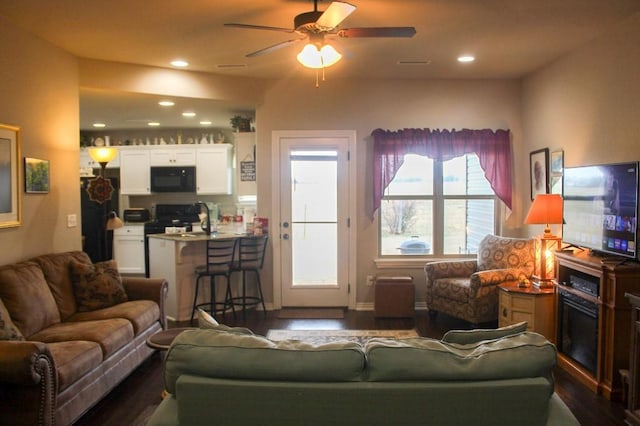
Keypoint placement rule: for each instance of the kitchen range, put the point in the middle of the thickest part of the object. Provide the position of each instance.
(169, 216)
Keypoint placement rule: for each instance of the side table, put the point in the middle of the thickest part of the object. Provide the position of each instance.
(531, 304)
(162, 339)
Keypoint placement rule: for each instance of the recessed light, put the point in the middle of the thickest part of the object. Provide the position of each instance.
(179, 63)
(166, 103)
(189, 114)
(153, 123)
(466, 58)
(100, 125)
(205, 122)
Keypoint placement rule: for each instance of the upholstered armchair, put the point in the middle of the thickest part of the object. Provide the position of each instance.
(468, 289)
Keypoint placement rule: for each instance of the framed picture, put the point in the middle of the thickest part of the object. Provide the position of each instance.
(9, 176)
(556, 184)
(36, 176)
(557, 162)
(538, 170)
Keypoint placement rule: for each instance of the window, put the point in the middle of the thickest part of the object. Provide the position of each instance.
(436, 208)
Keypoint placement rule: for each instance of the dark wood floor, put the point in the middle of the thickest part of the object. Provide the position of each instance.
(126, 404)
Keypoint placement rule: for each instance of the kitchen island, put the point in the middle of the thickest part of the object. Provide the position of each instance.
(174, 257)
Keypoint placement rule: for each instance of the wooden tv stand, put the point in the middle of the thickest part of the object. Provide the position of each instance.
(616, 278)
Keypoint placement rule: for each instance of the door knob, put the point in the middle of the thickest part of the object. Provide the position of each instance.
(285, 236)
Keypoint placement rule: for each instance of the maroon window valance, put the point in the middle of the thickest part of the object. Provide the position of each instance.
(493, 149)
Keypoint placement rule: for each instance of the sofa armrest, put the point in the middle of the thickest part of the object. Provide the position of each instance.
(493, 277)
(156, 289)
(25, 363)
(450, 269)
(28, 382)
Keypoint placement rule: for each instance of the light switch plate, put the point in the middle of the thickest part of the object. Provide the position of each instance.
(72, 221)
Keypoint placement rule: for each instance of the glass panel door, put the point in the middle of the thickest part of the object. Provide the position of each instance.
(314, 225)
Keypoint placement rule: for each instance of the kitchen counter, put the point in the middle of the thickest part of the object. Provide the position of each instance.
(174, 257)
(194, 236)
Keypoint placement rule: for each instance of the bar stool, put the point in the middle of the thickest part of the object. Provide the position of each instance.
(219, 259)
(251, 252)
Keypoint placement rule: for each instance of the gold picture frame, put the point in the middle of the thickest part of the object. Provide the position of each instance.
(10, 176)
(36, 176)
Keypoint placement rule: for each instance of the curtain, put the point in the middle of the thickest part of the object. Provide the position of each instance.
(492, 148)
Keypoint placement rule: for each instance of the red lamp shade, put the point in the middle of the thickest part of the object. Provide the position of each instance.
(546, 209)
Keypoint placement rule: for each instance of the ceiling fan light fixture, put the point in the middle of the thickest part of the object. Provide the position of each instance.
(312, 57)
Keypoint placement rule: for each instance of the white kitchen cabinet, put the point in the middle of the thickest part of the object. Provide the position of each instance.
(86, 161)
(213, 169)
(135, 178)
(128, 249)
(172, 156)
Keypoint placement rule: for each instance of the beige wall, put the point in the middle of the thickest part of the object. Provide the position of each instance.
(363, 106)
(587, 103)
(39, 93)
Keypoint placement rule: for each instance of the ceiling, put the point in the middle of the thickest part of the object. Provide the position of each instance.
(509, 38)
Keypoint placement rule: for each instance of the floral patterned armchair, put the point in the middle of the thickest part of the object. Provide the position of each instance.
(467, 289)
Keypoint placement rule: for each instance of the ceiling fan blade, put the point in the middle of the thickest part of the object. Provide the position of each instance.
(273, 48)
(377, 32)
(259, 27)
(335, 13)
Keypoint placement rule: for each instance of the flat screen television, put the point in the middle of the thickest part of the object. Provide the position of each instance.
(601, 208)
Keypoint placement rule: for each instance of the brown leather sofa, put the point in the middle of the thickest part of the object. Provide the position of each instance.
(57, 360)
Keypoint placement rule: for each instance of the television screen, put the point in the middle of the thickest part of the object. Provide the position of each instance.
(601, 208)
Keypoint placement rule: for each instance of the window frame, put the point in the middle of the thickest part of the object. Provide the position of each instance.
(438, 201)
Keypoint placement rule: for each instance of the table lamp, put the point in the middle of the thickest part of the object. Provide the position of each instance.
(546, 209)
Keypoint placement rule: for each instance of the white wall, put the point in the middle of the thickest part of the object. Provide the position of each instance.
(39, 92)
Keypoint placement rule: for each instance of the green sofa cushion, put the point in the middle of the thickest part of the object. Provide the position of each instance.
(519, 356)
(220, 354)
(465, 337)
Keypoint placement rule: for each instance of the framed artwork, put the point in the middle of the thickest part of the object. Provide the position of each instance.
(538, 171)
(9, 176)
(557, 163)
(557, 168)
(36, 176)
(556, 185)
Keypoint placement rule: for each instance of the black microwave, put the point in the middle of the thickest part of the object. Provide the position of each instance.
(173, 179)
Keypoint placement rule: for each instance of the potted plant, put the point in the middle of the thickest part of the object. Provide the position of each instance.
(241, 124)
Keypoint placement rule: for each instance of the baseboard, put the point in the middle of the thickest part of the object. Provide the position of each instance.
(368, 306)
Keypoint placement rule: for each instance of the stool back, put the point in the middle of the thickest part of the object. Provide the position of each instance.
(219, 256)
(251, 252)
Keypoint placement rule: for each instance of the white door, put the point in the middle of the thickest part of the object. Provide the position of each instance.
(314, 241)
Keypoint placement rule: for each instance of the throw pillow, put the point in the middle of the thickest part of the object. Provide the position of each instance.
(8, 330)
(206, 321)
(96, 286)
(465, 337)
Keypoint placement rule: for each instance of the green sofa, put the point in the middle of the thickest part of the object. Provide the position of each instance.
(229, 376)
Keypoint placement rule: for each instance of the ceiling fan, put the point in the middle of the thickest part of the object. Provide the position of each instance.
(315, 25)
